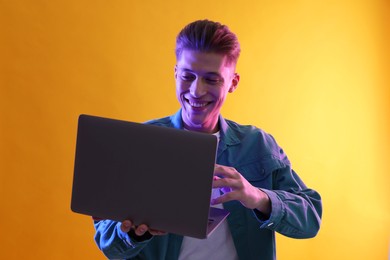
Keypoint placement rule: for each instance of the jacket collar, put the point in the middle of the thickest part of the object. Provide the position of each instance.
(176, 120)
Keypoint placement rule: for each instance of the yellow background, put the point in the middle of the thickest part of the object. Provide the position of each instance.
(315, 74)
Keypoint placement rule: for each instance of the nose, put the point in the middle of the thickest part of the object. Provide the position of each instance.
(198, 88)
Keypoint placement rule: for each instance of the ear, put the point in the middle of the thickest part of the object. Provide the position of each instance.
(235, 80)
(175, 71)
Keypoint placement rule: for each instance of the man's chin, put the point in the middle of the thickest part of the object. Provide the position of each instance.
(194, 121)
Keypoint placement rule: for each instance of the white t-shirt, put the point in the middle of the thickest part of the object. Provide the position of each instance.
(219, 245)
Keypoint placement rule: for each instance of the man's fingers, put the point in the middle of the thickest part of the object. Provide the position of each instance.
(225, 171)
(141, 229)
(126, 226)
(224, 198)
(227, 183)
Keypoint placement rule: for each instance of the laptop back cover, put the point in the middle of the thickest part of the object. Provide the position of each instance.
(150, 174)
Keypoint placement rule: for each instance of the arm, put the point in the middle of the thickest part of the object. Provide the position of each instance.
(115, 243)
(122, 240)
(296, 210)
(289, 208)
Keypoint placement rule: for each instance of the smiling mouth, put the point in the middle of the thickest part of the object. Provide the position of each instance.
(197, 104)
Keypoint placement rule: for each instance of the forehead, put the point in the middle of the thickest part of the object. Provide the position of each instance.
(203, 62)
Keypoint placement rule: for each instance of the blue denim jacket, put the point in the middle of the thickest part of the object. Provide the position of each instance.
(296, 210)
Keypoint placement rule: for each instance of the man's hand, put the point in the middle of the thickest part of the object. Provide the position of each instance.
(236, 187)
(140, 230)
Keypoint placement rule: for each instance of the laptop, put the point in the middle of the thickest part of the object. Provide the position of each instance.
(155, 175)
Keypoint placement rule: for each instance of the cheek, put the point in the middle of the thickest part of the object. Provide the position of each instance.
(178, 94)
(220, 95)
(178, 87)
(181, 88)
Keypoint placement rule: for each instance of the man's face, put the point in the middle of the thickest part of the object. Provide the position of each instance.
(203, 80)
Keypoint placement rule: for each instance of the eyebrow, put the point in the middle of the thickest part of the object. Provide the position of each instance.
(210, 73)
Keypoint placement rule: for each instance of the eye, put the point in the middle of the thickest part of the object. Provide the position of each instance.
(185, 76)
(213, 80)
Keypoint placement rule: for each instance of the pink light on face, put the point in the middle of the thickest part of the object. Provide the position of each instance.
(202, 83)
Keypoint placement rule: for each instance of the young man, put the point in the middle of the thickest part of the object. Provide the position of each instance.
(259, 187)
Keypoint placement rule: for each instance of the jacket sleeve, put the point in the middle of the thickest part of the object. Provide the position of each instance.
(296, 210)
(115, 243)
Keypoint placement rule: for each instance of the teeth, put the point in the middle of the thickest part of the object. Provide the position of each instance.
(195, 104)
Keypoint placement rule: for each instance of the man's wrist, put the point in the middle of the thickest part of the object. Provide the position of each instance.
(264, 205)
